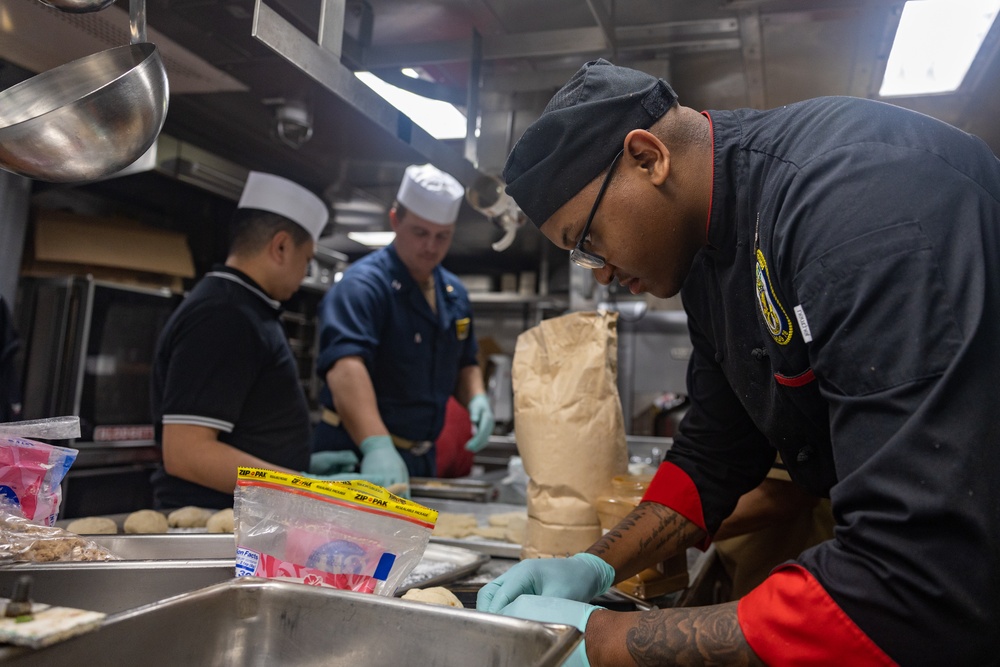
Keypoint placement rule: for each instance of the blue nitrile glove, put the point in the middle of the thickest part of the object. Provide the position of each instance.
(482, 422)
(556, 610)
(581, 577)
(332, 462)
(382, 460)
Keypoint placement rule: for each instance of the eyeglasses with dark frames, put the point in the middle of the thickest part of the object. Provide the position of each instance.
(585, 258)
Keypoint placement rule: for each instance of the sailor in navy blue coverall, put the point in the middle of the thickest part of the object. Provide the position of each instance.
(397, 339)
(839, 262)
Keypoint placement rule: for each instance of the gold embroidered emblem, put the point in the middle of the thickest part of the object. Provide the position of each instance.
(462, 328)
(775, 318)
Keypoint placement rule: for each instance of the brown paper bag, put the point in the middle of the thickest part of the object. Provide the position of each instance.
(568, 426)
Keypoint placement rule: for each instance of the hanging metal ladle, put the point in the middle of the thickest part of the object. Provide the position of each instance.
(89, 118)
(78, 6)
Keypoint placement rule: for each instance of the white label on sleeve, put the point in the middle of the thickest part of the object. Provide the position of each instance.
(800, 315)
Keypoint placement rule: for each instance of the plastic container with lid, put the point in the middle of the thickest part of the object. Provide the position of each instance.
(670, 575)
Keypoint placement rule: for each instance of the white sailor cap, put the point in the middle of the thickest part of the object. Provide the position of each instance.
(275, 194)
(430, 193)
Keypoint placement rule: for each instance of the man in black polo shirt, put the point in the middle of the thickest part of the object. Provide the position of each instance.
(225, 386)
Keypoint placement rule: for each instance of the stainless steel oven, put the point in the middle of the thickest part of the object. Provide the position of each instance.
(87, 350)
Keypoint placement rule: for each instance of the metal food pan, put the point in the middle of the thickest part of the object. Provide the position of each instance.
(114, 586)
(442, 564)
(254, 622)
(439, 563)
(452, 489)
(168, 546)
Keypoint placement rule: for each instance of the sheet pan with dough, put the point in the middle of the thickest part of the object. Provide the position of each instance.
(490, 528)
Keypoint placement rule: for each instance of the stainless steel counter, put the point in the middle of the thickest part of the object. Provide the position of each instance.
(641, 448)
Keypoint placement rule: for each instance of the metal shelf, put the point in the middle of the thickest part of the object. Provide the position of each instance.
(554, 302)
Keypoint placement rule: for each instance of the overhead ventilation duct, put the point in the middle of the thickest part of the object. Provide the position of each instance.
(38, 38)
(197, 167)
(320, 60)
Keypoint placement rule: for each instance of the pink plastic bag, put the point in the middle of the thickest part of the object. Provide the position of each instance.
(30, 474)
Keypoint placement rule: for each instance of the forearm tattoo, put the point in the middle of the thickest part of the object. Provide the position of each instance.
(670, 528)
(693, 636)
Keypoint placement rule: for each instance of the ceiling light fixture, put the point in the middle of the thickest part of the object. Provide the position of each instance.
(372, 239)
(935, 44)
(439, 119)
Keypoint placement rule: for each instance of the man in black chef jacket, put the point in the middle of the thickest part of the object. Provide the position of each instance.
(225, 386)
(839, 262)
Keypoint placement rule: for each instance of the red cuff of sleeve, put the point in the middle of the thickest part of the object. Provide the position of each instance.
(672, 488)
(791, 620)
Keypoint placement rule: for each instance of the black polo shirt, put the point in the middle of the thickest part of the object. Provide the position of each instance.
(223, 361)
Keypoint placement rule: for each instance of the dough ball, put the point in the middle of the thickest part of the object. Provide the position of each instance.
(146, 521)
(436, 595)
(497, 533)
(189, 517)
(221, 521)
(506, 518)
(515, 536)
(450, 524)
(516, 530)
(93, 525)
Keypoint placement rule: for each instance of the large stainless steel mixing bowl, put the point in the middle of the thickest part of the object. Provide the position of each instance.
(86, 119)
(78, 6)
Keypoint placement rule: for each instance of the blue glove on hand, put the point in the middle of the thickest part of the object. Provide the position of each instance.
(482, 422)
(582, 577)
(555, 610)
(332, 462)
(382, 460)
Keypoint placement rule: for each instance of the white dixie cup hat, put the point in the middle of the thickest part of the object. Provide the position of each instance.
(431, 194)
(275, 194)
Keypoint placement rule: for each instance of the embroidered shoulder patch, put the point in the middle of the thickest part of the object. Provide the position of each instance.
(462, 328)
(775, 318)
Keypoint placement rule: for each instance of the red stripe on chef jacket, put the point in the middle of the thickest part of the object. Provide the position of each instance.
(791, 620)
(672, 487)
(800, 380)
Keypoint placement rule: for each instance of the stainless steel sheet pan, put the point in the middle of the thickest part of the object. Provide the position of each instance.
(482, 512)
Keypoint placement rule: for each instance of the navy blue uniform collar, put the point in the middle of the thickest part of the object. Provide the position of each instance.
(402, 273)
(239, 278)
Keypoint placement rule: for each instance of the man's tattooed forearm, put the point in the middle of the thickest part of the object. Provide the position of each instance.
(695, 636)
(670, 527)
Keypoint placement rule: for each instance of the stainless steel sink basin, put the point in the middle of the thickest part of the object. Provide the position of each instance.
(254, 622)
(161, 566)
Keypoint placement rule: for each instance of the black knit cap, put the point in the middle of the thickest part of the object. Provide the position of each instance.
(578, 135)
